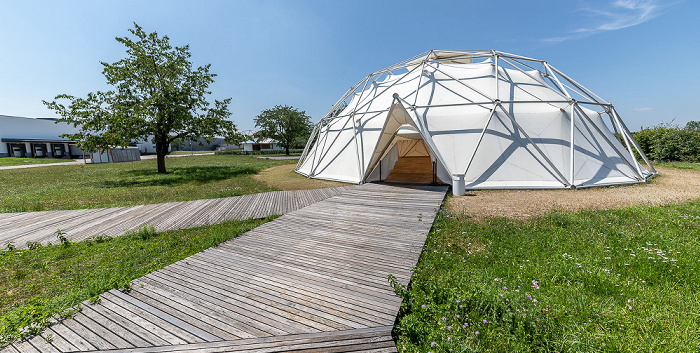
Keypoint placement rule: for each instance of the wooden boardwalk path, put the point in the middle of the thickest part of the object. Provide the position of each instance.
(19, 228)
(313, 280)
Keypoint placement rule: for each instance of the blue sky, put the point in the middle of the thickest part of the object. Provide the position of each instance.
(641, 55)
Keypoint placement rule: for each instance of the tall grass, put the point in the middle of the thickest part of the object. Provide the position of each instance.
(131, 183)
(623, 280)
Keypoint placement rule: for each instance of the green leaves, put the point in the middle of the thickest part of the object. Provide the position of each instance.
(670, 142)
(284, 124)
(157, 95)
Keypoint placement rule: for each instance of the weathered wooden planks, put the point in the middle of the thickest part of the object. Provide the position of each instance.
(313, 280)
(20, 228)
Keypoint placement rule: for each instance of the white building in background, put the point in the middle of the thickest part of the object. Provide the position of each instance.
(256, 143)
(36, 137)
(41, 138)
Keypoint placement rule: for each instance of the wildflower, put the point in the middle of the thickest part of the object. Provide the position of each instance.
(449, 338)
(535, 284)
(529, 296)
(476, 333)
(457, 301)
(497, 279)
(458, 316)
(443, 318)
(432, 344)
(485, 321)
(504, 288)
(423, 306)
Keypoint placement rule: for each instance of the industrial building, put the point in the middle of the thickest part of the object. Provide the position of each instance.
(41, 138)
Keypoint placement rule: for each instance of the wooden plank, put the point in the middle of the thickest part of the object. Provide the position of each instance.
(71, 337)
(89, 336)
(58, 341)
(125, 338)
(315, 316)
(277, 343)
(255, 322)
(135, 333)
(184, 330)
(148, 323)
(292, 292)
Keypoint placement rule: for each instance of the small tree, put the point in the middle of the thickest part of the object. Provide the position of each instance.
(157, 95)
(285, 124)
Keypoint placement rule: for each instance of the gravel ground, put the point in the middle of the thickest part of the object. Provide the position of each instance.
(671, 185)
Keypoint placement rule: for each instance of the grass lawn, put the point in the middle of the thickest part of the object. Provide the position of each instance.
(39, 283)
(176, 153)
(680, 165)
(5, 161)
(131, 183)
(623, 280)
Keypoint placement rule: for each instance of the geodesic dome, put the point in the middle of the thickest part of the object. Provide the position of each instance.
(486, 119)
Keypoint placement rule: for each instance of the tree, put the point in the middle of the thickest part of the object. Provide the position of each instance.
(285, 124)
(157, 95)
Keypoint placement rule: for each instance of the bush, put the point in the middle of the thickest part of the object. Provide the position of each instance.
(669, 142)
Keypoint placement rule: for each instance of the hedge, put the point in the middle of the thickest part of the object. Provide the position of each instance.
(670, 142)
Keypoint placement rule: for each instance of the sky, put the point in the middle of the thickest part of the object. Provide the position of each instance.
(640, 55)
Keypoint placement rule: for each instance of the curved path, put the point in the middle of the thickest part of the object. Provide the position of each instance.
(313, 280)
(22, 227)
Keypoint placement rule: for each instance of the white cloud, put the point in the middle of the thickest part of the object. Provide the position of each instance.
(643, 109)
(612, 16)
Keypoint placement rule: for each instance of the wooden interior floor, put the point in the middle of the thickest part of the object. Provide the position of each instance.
(412, 170)
(313, 280)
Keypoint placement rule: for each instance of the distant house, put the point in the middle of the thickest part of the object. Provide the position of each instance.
(264, 145)
(256, 143)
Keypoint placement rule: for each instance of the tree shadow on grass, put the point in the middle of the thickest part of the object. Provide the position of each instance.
(175, 176)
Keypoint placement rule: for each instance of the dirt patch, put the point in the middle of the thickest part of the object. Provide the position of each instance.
(671, 185)
(283, 177)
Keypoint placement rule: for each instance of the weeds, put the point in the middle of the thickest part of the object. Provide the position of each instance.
(146, 231)
(619, 280)
(62, 239)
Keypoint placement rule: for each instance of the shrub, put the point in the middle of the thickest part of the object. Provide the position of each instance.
(670, 142)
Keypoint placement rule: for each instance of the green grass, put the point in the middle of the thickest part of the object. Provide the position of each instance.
(680, 165)
(622, 280)
(45, 281)
(176, 153)
(6, 161)
(131, 183)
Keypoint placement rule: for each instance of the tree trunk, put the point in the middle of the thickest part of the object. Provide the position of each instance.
(161, 151)
(286, 149)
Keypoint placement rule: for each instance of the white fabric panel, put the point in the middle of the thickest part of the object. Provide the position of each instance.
(596, 160)
(455, 132)
(334, 155)
(505, 156)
